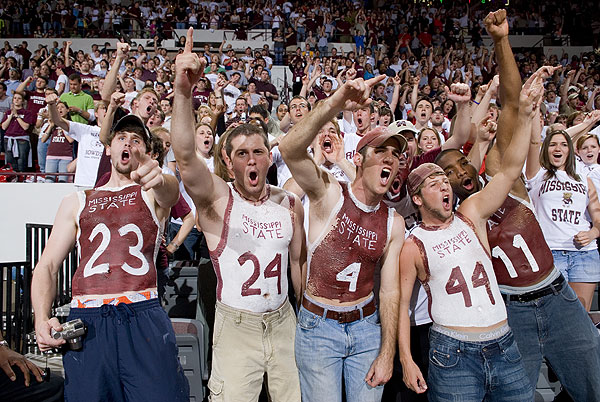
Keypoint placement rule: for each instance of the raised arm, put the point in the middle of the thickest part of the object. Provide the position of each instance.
(532, 167)
(461, 127)
(481, 205)
(582, 128)
(414, 96)
(314, 181)
(110, 82)
(510, 79)
(396, 94)
(116, 100)
(200, 183)
(22, 86)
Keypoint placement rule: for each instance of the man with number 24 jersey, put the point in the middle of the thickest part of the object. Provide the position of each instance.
(251, 229)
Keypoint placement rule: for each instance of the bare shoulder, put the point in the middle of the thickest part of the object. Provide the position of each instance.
(70, 204)
(398, 227)
(410, 249)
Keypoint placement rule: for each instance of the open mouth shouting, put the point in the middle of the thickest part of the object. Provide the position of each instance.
(125, 156)
(253, 178)
(446, 202)
(385, 176)
(327, 145)
(468, 184)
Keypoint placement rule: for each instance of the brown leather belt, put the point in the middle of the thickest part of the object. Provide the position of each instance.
(343, 317)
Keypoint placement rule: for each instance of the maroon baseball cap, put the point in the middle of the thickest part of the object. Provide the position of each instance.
(418, 176)
(378, 136)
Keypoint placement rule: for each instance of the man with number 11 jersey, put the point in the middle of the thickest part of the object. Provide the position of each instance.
(251, 229)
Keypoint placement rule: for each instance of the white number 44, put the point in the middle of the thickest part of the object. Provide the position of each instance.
(350, 274)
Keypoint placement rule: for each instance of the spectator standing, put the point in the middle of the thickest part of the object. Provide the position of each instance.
(16, 125)
(81, 105)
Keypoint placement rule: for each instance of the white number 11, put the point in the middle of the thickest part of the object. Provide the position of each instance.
(518, 242)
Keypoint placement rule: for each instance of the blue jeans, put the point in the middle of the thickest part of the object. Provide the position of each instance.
(42, 150)
(326, 350)
(558, 328)
(57, 166)
(476, 371)
(578, 266)
(20, 163)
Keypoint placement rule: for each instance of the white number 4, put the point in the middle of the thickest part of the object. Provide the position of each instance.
(350, 274)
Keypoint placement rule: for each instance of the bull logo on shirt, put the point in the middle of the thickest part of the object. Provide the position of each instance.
(567, 199)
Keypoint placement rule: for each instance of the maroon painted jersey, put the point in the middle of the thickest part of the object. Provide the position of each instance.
(520, 254)
(342, 262)
(118, 240)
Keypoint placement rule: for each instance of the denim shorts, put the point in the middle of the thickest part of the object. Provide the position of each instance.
(578, 266)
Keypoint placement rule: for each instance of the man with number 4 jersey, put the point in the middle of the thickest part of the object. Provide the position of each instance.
(473, 355)
(341, 332)
(543, 312)
(252, 230)
(129, 351)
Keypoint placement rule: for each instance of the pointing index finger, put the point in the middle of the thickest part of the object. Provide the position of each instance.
(189, 41)
(140, 156)
(372, 81)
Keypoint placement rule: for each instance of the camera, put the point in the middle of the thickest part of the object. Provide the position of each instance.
(72, 332)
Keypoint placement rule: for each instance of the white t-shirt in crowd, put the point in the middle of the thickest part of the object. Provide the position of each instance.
(561, 205)
(89, 152)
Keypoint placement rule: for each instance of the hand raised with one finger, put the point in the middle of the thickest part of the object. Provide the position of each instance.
(189, 68)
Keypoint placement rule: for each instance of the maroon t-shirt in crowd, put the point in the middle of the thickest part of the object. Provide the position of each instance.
(35, 101)
(14, 128)
(199, 98)
(59, 145)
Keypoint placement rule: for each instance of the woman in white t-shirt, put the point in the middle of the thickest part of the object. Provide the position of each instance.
(561, 195)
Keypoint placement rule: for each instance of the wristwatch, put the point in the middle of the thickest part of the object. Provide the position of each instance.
(4, 343)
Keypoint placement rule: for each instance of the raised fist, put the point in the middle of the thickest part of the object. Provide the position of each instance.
(496, 24)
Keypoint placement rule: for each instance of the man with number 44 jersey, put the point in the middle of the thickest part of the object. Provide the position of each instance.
(251, 229)
(543, 311)
(473, 355)
(341, 333)
(129, 351)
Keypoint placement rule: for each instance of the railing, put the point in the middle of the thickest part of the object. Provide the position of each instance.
(16, 314)
(36, 238)
(15, 310)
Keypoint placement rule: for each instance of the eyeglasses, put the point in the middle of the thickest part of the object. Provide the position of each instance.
(299, 106)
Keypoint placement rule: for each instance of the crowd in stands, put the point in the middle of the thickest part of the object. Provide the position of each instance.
(420, 56)
(370, 23)
(438, 85)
